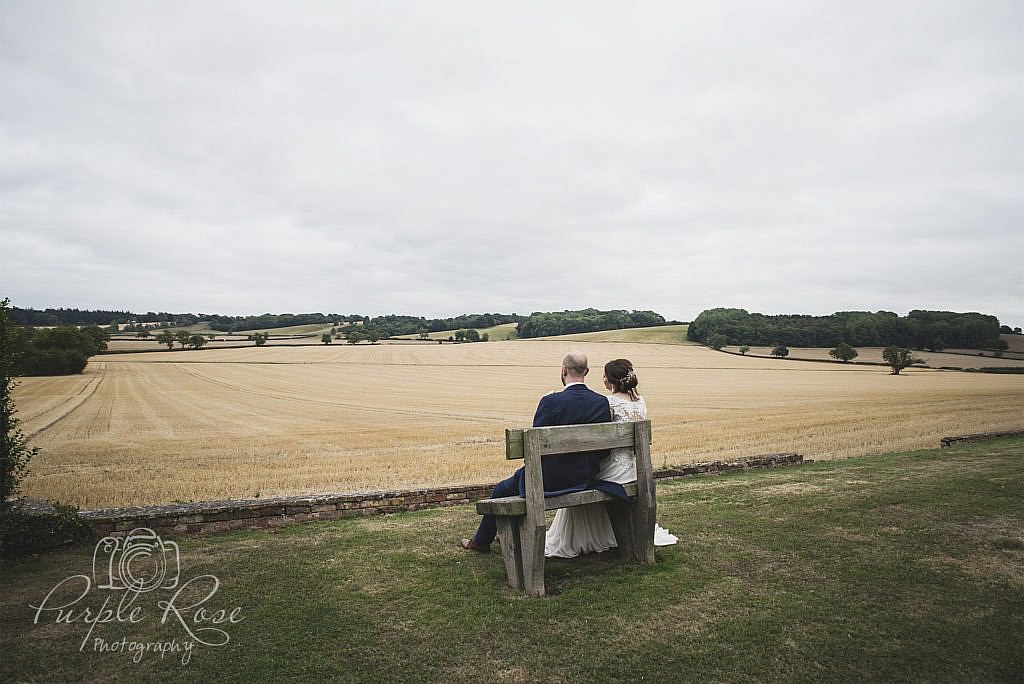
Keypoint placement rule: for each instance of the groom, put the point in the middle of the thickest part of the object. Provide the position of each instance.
(574, 405)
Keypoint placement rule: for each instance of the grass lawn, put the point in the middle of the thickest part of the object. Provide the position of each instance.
(662, 334)
(497, 333)
(903, 567)
(310, 329)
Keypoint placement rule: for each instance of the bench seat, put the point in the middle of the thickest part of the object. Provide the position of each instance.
(516, 505)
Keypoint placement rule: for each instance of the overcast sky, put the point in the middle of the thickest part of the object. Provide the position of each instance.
(463, 157)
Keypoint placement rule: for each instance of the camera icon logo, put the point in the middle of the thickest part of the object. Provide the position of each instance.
(141, 562)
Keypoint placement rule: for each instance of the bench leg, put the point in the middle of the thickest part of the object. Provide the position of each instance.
(511, 548)
(532, 537)
(633, 525)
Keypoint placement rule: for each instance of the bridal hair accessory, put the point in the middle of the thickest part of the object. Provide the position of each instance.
(628, 378)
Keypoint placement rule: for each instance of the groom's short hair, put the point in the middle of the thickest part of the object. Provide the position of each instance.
(576, 363)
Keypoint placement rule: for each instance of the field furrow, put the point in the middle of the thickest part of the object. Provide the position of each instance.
(45, 418)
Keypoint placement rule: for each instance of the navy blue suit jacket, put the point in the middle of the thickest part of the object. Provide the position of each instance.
(574, 405)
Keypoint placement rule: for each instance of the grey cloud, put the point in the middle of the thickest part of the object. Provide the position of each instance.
(466, 157)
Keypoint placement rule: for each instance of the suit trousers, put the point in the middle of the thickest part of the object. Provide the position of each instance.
(488, 529)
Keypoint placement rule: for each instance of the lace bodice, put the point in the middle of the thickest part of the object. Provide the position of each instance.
(624, 409)
(620, 466)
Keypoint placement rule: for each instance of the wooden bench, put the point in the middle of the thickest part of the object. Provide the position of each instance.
(521, 524)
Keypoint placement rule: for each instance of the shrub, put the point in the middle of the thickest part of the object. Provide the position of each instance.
(14, 451)
(54, 362)
(843, 352)
(25, 531)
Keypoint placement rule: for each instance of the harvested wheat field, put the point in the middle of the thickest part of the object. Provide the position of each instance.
(240, 423)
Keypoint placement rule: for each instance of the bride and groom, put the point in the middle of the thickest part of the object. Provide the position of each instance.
(581, 529)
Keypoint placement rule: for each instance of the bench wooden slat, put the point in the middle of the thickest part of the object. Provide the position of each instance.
(561, 439)
(516, 505)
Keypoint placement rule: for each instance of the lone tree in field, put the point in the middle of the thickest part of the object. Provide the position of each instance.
(899, 358)
(780, 351)
(717, 341)
(166, 337)
(843, 352)
(744, 349)
(326, 338)
(14, 452)
(183, 337)
(260, 338)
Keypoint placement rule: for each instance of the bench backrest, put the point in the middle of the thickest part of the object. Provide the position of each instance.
(531, 444)
(564, 439)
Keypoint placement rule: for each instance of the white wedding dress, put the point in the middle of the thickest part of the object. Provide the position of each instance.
(587, 529)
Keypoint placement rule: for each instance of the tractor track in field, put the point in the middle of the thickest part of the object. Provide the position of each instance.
(72, 405)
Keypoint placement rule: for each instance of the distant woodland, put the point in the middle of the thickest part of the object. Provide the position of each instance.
(537, 324)
(586, 320)
(932, 330)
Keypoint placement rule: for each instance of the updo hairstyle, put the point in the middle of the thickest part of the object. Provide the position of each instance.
(621, 375)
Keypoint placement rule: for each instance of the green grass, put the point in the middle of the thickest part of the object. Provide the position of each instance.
(663, 334)
(310, 330)
(904, 567)
(505, 331)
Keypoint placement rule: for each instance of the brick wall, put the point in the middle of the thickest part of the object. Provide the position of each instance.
(219, 516)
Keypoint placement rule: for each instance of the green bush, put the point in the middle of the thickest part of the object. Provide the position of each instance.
(56, 351)
(26, 531)
(14, 450)
(54, 362)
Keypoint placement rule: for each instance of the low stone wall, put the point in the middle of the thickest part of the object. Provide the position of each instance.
(719, 467)
(968, 439)
(219, 516)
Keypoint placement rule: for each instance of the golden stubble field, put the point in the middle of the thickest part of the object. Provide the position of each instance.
(239, 423)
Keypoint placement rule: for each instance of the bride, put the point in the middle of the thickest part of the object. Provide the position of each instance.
(587, 529)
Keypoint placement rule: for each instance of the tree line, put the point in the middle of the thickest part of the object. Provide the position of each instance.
(586, 320)
(386, 326)
(79, 317)
(64, 350)
(537, 324)
(232, 324)
(931, 330)
(391, 325)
